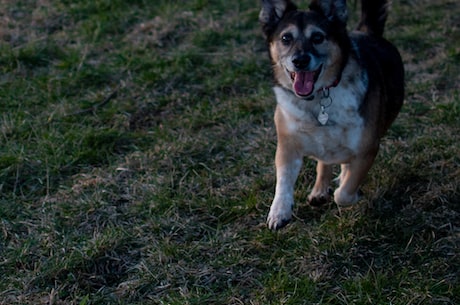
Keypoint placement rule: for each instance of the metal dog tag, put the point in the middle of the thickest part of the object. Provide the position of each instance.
(323, 117)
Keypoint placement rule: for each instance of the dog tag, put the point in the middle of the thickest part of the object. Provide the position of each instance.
(323, 117)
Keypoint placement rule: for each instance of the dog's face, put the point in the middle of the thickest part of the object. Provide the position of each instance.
(306, 48)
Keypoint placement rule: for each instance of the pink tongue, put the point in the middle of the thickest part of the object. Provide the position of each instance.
(303, 83)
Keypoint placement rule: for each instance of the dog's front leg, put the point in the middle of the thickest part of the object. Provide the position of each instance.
(288, 163)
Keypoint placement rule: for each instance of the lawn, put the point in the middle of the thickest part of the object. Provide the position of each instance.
(137, 163)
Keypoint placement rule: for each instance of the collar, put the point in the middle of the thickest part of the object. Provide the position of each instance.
(324, 89)
(334, 84)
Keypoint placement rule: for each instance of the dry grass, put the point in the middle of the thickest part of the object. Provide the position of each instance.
(158, 194)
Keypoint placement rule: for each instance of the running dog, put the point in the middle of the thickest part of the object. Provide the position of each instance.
(337, 94)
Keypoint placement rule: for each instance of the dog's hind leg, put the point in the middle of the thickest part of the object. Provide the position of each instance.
(321, 192)
(350, 179)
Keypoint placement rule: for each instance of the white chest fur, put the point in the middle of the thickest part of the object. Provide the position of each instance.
(338, 140)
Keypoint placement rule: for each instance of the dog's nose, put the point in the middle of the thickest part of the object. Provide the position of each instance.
(301, 61)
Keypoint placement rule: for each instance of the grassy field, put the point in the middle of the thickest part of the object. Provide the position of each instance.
(137, 163)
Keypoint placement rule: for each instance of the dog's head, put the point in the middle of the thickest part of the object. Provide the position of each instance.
(308, 48)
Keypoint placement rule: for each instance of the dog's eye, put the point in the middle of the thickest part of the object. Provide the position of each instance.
(286, 39)
(317, 38)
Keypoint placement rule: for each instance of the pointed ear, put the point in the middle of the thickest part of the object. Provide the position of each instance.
(334, 10)
(272, 12)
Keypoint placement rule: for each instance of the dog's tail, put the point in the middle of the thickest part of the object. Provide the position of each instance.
(374, 14)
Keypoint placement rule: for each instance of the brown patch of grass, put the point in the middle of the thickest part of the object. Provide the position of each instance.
(160, 196)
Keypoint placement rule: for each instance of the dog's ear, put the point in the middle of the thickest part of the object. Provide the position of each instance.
(272, 12)
(334, 10)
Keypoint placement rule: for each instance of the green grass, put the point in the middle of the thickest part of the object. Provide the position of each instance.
(136, 164)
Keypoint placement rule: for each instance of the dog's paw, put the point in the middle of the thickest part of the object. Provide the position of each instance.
(279, 216)
(344, 199)
(274, 223)
(318, 201)
(320, 198)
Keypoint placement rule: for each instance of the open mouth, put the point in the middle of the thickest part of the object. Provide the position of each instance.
(304, 81)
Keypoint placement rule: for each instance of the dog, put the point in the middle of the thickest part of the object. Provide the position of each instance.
(337, 93)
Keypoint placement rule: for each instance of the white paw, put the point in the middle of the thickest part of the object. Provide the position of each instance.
(344, 199)
(280, 213)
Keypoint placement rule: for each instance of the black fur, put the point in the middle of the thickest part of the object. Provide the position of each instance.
(269, 16)
(373, 17)
(334, 10)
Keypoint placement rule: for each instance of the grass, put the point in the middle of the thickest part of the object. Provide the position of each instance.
(136, 164)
